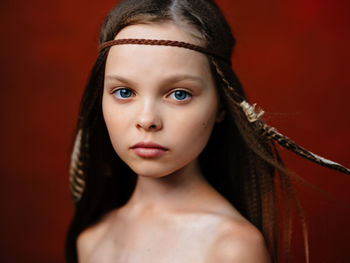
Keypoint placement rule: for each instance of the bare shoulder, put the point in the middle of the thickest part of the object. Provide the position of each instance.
(89, 238)
(238, 241)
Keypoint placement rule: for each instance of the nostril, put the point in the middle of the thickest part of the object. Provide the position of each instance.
(149, 119)
(149, 125)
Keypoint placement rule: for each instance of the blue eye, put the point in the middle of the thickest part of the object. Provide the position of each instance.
(123, 93)
(181, 95)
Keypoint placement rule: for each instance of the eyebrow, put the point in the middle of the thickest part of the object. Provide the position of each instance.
(168, 80)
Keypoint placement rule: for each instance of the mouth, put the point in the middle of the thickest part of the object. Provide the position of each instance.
(148, 149)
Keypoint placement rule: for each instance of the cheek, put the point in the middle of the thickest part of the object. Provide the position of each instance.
(117, 123)
(194, 128)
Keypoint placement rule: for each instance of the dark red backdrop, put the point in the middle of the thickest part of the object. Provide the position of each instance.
(292, 57)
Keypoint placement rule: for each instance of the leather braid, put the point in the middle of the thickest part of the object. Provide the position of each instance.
(157, 42)
(237, 97)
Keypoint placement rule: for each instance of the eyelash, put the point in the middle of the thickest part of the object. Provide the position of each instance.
(119, 90)
(114, 92)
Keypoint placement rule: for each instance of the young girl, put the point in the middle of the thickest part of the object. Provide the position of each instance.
(171, 164)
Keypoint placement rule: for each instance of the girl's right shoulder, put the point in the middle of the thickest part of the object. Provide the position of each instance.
(90, 237)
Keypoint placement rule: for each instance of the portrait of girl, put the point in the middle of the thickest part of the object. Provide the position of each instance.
(171, 156)
(171, 163)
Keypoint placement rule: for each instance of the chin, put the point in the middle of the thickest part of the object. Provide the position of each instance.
(152, 174)
(153, 170)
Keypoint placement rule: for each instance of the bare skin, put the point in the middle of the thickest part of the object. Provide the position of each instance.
(203, 228)
(173, 215)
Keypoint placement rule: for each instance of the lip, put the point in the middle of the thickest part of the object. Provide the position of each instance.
(148, 149)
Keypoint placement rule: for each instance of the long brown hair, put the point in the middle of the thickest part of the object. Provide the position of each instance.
(240, 160)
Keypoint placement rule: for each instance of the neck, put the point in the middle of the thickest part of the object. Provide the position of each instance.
(180, 189)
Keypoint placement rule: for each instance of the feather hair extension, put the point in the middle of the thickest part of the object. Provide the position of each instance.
(286, 142)
(292, 146)
(254, 116)
(76, 174)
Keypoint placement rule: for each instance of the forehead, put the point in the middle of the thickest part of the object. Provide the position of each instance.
(133, 58)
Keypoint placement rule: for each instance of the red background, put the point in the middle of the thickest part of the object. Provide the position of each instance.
(292, 57)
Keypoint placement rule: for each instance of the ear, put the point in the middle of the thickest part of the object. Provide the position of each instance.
(220, 116)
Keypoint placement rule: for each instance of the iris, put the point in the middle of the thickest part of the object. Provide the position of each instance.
(123, 93)
(180, 94)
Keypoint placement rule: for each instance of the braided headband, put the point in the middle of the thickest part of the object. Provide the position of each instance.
(157, 42)
(77, 176)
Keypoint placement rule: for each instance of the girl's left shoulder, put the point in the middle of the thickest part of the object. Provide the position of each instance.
(237, 240)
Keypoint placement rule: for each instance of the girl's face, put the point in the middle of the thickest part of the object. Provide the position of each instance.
(159, 103)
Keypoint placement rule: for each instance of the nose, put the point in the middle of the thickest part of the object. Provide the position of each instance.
(149, 119)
